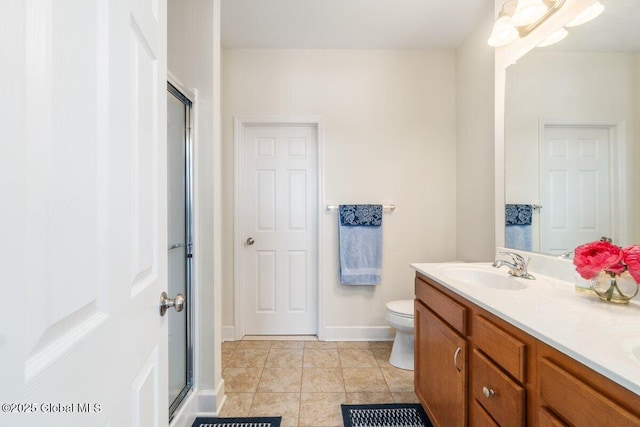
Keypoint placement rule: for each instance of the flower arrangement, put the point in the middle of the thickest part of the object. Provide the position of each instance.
(604, 263)
(592, 258)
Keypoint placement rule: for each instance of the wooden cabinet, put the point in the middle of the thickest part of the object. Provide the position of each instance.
(473, 368)
(441, 382)
(499, 374)
(573, 394)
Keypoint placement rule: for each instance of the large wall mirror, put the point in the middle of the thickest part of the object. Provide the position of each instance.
(572, 136)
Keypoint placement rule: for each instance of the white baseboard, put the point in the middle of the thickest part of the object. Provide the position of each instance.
(337, 333)
(210, 401)
(228, 333)
(187, 412)
(220, 396)
(199, 403)
(359, 333)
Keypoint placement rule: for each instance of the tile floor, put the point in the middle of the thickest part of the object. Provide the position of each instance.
(305, 382)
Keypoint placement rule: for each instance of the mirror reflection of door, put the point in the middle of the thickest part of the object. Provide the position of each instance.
(575, 187)
(180, 244)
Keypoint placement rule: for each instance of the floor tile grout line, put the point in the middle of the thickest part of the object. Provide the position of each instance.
(300, 394)
(259, 379)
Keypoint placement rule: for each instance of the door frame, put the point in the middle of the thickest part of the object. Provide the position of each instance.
(618, 188)
(239, 124)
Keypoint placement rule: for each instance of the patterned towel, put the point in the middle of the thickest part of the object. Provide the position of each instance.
(518, 214)
(370, 215)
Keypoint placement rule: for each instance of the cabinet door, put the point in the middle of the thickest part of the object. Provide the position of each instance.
(577, 402)
(440, 369)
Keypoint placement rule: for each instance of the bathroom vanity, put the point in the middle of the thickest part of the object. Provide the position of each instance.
(494, 350)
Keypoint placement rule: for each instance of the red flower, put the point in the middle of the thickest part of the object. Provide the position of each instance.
(632, 259)
(594, 257)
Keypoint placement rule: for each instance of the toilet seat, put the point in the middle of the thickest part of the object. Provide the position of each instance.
(401, 308)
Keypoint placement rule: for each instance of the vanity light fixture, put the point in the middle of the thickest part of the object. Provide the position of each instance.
(504, 32)
(587, 15)
(519, 18)
(590, 13)
(554, 38)
(528, 11)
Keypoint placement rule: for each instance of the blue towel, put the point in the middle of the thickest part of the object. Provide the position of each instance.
(518, 237)
(360, 229)
(518, 226)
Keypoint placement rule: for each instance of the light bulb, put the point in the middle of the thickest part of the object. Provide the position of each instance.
(554, 38)
(528, 11)
(587, 15)
(503, 32)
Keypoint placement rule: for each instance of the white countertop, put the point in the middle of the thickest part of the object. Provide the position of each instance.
(601, 335)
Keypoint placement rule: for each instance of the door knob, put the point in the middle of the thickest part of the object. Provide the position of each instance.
(166, 303)
(250, 241)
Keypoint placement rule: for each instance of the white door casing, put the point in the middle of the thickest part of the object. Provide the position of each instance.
(277, 194)
(577, 186)
(85, 211)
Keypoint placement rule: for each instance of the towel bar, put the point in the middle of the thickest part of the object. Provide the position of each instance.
(390, 208)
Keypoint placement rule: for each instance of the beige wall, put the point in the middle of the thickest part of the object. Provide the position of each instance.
(389, 136)
(475, 189)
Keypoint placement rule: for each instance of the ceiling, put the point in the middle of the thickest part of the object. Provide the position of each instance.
(351, 24)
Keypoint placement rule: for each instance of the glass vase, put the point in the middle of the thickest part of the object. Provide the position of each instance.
(616, 288)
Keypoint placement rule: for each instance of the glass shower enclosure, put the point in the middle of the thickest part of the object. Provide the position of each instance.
(179, 201)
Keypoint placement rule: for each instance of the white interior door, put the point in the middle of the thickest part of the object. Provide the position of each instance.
(575, 187)
(279, 229)
(84, 213)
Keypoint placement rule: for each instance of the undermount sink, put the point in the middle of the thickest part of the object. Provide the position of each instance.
(484, 276)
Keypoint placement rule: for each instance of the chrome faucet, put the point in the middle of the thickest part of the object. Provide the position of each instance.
(518, 268)
(566, 255)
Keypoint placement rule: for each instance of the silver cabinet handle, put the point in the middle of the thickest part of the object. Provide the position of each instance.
(455, 358)
(488, 392)
(166, 303)
(176, 246)
(250, 241)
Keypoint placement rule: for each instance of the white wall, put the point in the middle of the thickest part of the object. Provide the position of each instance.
(571, 86)
(389, 127)
(475, 207)
(194, 61)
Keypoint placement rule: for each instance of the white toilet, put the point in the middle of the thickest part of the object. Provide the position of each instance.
(400, 316)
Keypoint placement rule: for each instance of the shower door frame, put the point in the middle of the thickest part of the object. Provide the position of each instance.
(174, 89)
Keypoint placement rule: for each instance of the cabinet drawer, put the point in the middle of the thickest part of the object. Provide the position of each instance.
(480, 417)
(445, 307)
(503, 348)
(576, 402)
(547, 419)
(506, 403)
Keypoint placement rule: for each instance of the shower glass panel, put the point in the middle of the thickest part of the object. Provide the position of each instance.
(180, 255)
